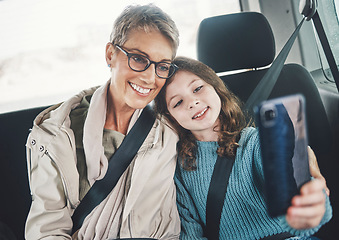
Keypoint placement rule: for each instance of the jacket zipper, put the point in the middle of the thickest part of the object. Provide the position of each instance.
(62, 180)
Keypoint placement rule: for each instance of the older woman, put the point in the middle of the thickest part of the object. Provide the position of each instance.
(70, 143)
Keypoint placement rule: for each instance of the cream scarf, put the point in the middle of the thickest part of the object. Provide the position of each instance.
(103, 222)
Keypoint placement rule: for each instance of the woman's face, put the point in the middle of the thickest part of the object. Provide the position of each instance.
(134, 90)
(194, 104)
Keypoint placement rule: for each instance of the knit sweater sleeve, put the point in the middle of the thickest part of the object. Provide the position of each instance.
(308, 232)
(191, 225)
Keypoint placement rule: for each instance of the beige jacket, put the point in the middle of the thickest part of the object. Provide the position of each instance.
(149, 207)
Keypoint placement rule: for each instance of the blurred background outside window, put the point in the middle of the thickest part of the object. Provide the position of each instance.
(52, 49)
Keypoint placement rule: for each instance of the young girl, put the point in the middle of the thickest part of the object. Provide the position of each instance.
(210, 122)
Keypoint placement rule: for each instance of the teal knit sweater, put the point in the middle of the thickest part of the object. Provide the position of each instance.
(244, 214)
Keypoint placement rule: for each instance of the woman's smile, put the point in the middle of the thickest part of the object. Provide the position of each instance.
(140, 90)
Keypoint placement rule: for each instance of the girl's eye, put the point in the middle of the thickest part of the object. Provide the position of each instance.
(177, 104)
(197, 89)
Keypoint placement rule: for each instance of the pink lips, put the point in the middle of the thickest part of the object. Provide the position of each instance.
(200, 114)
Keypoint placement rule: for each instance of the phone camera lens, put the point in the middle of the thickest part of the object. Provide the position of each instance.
(269, 115)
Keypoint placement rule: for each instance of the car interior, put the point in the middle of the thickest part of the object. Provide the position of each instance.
(241, 43)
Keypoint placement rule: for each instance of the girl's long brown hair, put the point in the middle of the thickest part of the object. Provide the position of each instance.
(232, 117)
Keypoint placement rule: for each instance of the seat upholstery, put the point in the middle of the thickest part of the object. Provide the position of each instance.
(236, 41)
(15, 198)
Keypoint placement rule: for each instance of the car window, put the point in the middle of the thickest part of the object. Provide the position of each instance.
(52, 49)
(328, 13)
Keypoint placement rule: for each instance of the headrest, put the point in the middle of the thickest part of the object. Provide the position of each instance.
(236, 41)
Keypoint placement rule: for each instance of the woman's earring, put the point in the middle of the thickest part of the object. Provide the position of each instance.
(109, 65)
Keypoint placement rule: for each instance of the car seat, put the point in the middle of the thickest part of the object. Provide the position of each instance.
(244, 41)
(15, 198)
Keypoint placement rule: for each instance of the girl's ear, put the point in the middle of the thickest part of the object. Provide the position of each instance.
(110, 50)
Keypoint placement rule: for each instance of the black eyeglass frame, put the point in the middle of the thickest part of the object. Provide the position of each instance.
(150, 62)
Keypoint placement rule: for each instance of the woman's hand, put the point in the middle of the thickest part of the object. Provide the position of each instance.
(308, 208)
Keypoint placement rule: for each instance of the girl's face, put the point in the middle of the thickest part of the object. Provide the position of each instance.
(134, 90)
(194, 104)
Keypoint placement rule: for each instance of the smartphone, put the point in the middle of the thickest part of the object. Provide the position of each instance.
(283, 137)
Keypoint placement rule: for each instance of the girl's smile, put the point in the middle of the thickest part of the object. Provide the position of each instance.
(200, 115)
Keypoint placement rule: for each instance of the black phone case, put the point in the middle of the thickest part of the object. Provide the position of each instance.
(283, 138)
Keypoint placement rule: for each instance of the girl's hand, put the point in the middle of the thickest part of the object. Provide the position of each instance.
(308, 208)
(314, 168)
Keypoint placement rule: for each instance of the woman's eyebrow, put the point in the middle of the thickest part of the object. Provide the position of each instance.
(138, 50)
(145, 54)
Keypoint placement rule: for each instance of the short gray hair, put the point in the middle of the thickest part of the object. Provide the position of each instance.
(144, 17)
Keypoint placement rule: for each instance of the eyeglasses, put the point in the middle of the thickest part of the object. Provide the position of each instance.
(140, 63)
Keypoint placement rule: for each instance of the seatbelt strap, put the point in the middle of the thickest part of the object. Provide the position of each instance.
(116, 167)
(266, 84)
(216, 196)
(326, 47)
(279, 236)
